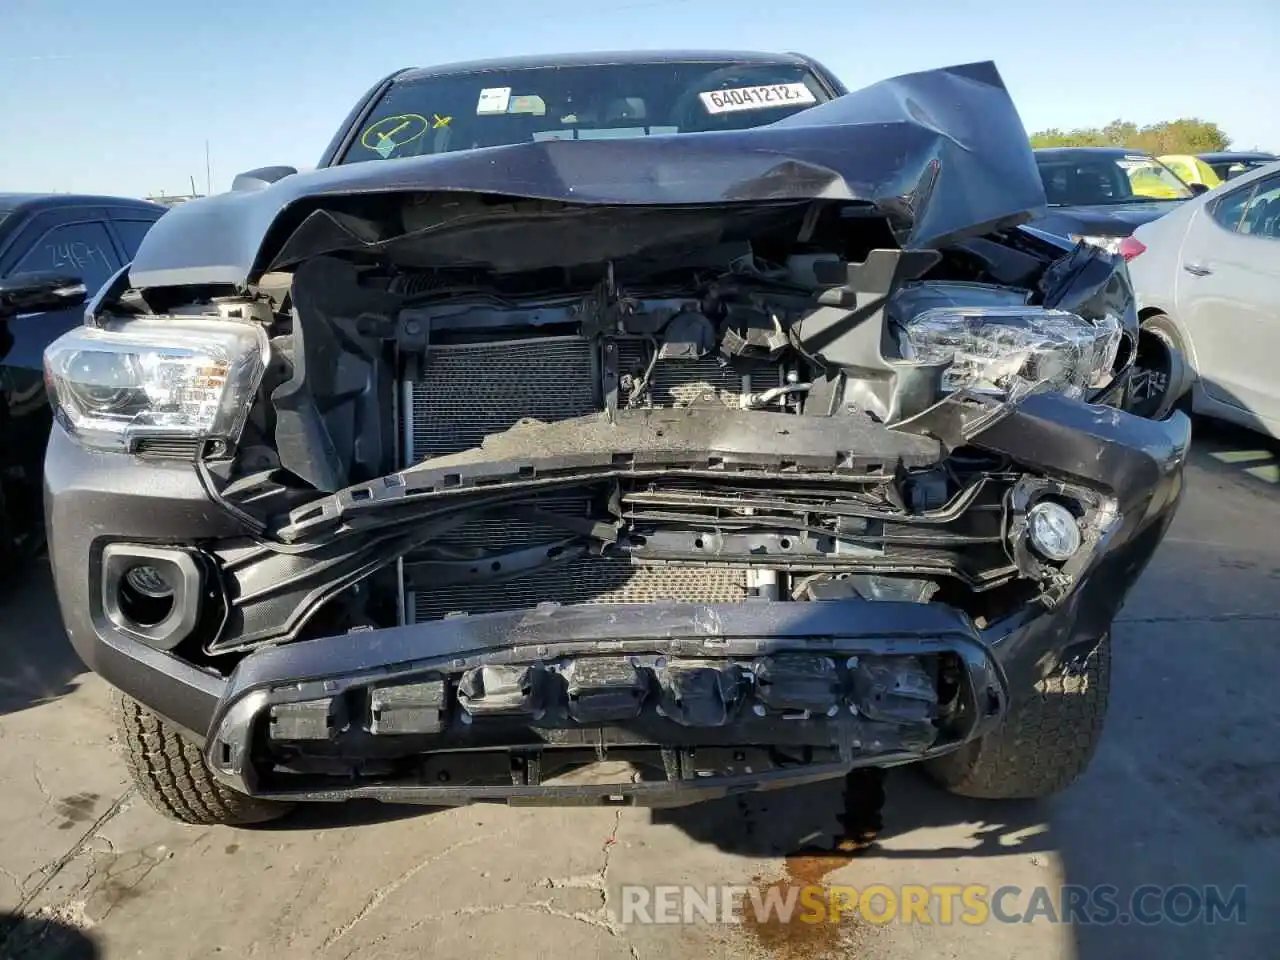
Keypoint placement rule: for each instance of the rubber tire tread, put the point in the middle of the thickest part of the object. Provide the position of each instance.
(1044, 745)
(170, 772)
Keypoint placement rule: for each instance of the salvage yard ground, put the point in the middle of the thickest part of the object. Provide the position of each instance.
(1185, 790)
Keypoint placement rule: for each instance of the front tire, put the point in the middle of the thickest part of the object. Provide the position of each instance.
(169, 771)
(1045, 743)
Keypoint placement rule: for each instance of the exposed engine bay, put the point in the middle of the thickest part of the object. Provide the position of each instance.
(776, 333)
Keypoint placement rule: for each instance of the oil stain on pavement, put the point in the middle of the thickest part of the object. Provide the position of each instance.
(77, 808)
(800, 937)
(825, 925)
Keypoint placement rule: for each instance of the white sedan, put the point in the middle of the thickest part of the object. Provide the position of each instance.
(1207, 277)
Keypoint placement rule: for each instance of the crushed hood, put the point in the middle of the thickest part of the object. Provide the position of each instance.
(942, 154)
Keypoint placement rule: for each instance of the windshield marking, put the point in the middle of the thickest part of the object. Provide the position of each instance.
(530, 103)
(493, 100)
(759, 97)
(384, 136)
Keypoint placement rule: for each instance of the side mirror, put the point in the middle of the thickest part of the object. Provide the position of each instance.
(43, 290)
(1199, 188)
(260, 178)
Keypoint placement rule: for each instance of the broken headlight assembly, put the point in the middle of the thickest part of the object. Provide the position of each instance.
(184, 378)
(1125, 247)
(1012, 351)
(1109, 244)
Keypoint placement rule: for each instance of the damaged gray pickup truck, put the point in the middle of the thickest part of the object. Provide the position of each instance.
(675, 409)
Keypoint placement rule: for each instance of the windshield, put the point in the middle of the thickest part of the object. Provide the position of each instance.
(466, 111)
(1087, 180)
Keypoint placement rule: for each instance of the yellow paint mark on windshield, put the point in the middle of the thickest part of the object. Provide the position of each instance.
(438, 121)
(384, 136)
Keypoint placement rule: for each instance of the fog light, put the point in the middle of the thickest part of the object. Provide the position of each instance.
(145, 597)
(1053, 530)
(149, 582)
(154, 594)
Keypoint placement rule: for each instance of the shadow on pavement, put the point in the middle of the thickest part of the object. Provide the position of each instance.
(352, 813)
(1211, 434)
(806, 820)
(43, 938)
(37, 662)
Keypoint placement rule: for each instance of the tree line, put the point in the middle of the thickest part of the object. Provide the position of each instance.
(1188, 135)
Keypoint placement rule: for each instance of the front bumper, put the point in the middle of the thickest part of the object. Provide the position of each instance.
(93, 499)
(829, 684)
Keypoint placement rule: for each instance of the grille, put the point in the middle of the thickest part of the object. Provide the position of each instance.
(687, 383)
(467, 391)
(585, 581)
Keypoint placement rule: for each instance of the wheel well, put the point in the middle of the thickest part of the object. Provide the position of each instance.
(1168, 337)
(1183, 336)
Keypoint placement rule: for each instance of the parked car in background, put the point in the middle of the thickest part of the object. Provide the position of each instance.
(1100, 194)
(1208, 283)
(1228, 165)
(55, 249)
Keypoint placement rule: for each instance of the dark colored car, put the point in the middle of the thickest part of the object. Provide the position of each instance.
(49, 246)
(691, 415)
(1230, 164)
(1103, 194)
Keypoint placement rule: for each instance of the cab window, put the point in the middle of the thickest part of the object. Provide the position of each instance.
(84, 249)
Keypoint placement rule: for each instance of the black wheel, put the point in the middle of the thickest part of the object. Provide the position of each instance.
(1162, 378)
(1045, 743)
(170, 772)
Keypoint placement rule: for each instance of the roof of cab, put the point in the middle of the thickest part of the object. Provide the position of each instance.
(30, 202)
(598, 59)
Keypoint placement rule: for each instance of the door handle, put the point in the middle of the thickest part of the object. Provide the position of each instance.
(1197, 269)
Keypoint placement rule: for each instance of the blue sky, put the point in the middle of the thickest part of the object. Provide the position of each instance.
(121, 97)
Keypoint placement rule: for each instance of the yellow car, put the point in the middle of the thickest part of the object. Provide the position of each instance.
(1191, 170)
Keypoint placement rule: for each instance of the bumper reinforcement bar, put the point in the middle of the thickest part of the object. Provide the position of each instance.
(826, 685)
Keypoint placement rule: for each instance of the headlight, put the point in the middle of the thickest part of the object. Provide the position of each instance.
(174, 377)
(1109, 244)
(1013, 351)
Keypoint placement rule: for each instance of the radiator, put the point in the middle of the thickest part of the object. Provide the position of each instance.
(467, 391)
(588, 580)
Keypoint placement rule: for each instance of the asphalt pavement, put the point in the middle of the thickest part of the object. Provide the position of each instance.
(1183, 796)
